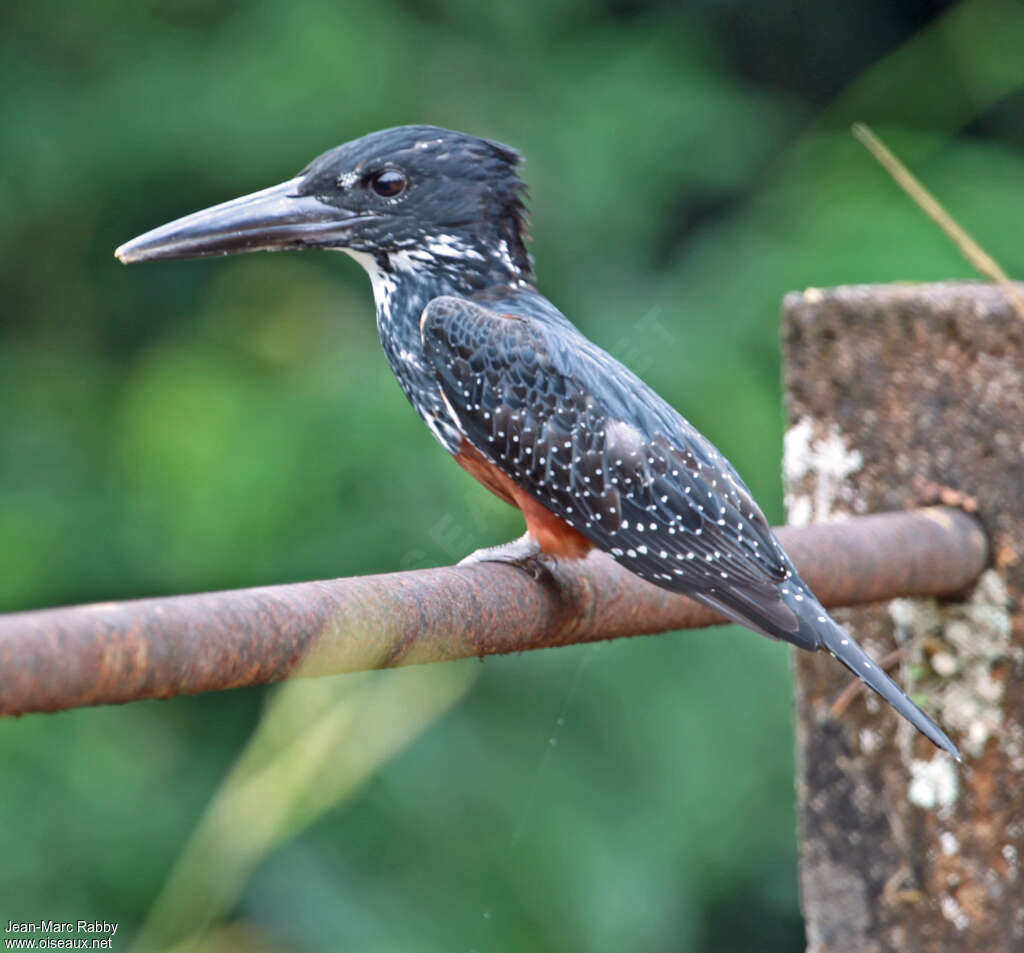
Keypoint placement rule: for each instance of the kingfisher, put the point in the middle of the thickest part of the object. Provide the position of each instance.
(538, 414)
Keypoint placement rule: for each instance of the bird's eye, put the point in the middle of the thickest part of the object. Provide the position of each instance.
(388, 183)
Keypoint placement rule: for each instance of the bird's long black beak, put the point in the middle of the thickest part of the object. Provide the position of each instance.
(269, 220)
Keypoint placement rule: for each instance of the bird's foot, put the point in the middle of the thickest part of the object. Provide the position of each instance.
(524, 553)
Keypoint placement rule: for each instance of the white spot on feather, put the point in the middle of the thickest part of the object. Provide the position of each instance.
(449, 246)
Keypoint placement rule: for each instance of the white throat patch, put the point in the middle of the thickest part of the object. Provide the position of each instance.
(383, 283)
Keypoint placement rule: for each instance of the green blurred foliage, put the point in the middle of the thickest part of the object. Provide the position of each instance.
(197, 425)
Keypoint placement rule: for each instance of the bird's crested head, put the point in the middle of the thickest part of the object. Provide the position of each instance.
(412, 196)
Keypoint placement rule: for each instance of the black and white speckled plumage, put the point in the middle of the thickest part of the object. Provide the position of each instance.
(580, 432)
(485, 359)
(473, 242)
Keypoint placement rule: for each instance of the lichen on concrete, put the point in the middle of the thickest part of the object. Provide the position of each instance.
(816, 465)
(955, 651)
(922, 387)
(933, 783)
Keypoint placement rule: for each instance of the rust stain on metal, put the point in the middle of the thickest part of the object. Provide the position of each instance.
(156, 648)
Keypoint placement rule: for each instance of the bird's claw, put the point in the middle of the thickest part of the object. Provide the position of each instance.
(523, 553)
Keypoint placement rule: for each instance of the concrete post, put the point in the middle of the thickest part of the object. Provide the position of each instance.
(897, 396)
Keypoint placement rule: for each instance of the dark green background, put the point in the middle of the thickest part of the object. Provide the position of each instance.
(178, 427)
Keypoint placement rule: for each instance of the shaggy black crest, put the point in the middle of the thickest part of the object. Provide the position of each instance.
(456, 184)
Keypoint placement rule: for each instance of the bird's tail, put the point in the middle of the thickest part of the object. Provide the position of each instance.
(815, 629)
(840, 645)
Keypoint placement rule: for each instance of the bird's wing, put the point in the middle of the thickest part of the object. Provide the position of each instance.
(585, 437)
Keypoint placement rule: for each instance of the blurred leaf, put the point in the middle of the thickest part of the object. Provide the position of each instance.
(318, 741)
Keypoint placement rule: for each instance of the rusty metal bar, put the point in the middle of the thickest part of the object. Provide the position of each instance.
(114, 652)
